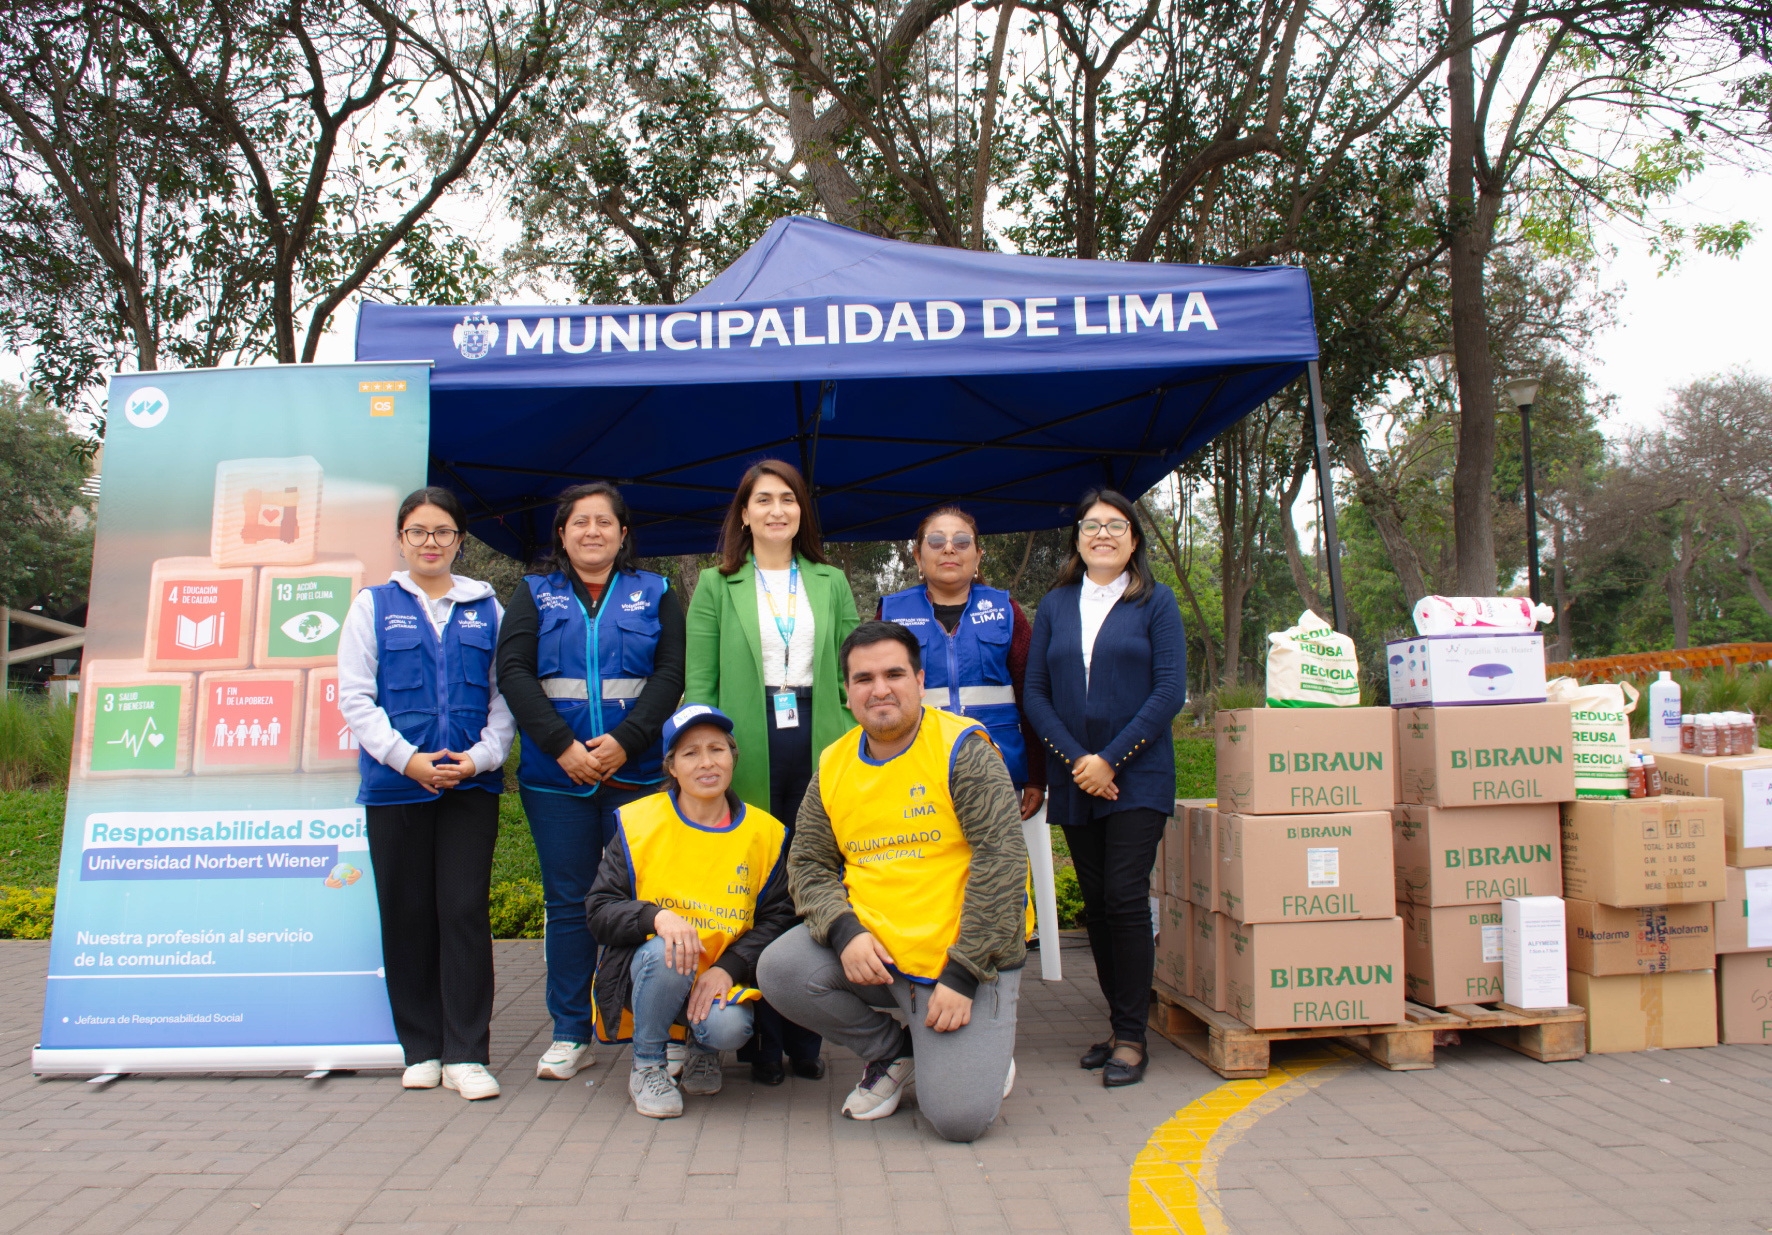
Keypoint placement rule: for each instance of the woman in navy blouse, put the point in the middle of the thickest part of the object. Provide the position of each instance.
(1106, 677)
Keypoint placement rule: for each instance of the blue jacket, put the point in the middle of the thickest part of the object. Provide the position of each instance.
(437, 693)
(1136, 687)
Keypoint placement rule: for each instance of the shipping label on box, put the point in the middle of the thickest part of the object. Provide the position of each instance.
(1510, 755)
(1174, 944)
(1744, 915)
(1649, 1011)
(1534, 952)
(301, 610)
(1476, 855)
(1292, 761)
(1604, 939)
(1443, 670)
(1208, 959)
(1744, 999)
(267, 511)
(327, 744)
(133, 722)
(249, 720)
(199, 616)
(1451, 955)
(1202, 863)
(1744, 783)
(1285, 975)
(1644, 851)
(1305, 868)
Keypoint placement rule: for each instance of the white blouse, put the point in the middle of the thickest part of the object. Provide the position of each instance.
(1093, 605)
(798, 651)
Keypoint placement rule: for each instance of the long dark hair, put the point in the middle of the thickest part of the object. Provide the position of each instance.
(735, 537)
(625, 558)
(433, 495)
(1142, 583)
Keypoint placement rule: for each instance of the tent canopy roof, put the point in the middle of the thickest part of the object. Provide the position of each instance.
(898, 376)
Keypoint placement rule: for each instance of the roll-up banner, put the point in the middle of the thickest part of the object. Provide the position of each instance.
(215, 907)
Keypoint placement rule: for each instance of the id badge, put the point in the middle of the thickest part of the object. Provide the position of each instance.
(787, 710)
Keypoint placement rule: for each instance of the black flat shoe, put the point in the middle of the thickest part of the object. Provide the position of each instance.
(1116, 1072)
(1096, 1055)
(808, 1069)
(768, 1073)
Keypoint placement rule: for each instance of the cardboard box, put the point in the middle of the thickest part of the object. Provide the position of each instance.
(1744, 783)
(1202, 858)
(1744, 915)
(249, 720)
(1534, 952)
(1305, 868)
(1207, 964)
(1450, 670)
(301, 610)
(1476, 855)
(267, 511)
(199, 616)
(1296, 761)
(1643, 851)
(133, 722)
(1744, 999)
(327, 743)
(1174, 943)
(1647, 1011)
(1175, 850)
(1605, 940)
(1285, 975)
(1510, 755)
(1452, 954)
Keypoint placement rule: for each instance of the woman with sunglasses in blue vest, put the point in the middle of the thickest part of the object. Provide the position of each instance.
(591, 659)
(417, 687)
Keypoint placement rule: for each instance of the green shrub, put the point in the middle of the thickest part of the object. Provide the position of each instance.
(1070, 899)
(517, 910)
(36, 741)
(26, 913)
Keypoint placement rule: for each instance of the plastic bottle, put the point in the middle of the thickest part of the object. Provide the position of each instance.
(1664, 714)
(1494, 615)
(1651, 776)
(1707, 734)
(1688, 734)
(1633, 775)
(1745, 737)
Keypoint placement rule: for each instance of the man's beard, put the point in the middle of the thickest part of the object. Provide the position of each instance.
(908, 719)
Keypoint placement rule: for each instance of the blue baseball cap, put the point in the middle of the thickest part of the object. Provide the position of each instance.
(689, 717)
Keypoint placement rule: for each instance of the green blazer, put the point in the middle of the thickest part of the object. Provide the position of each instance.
(725, 669)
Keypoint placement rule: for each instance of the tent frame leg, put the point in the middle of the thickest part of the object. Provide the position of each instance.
(1326, 487)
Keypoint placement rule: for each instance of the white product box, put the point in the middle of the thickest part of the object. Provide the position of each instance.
(1462, 669)
(1534, 952)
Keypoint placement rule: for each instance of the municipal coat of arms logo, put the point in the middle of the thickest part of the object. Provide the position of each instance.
(475, 336)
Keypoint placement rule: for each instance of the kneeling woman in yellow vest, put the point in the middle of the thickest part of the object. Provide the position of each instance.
(691, 890)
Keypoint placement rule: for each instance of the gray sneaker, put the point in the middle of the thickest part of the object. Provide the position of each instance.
(655, 1095)
(702, 1074)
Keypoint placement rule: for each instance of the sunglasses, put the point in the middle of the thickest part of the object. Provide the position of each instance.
(960, 540)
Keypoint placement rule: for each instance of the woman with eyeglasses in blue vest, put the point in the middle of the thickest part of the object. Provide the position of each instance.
(417, 686)
(591, 659)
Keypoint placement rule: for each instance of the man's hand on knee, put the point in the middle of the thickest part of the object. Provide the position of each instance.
(865, 961)
(948, 1009)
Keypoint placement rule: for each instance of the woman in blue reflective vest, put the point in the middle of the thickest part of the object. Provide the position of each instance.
(591, 660)
(417, 686)
(975, 644)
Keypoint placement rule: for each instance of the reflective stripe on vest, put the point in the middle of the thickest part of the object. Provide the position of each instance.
(970, 697)
(577, 688)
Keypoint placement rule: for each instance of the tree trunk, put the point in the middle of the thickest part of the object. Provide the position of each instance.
(1307, 591)
(1744, 557)
(1387, 517)
(1675, 583)
(1565, 646)
(689, 571)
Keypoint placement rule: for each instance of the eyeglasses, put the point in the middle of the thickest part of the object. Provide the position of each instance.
(444, 536)
(1114, 527)
(960, 540)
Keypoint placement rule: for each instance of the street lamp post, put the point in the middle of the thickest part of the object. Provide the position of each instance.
(1523, 392)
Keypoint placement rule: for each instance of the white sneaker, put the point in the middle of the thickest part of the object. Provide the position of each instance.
(563, 1060)
(882, 1085)
(676, 1054)
(1009, 1081)
(471, 1080)
(655, 1095)
(702, 1074)
(426, 1075)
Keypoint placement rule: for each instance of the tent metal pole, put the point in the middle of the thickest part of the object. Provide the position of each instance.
(1326, 487)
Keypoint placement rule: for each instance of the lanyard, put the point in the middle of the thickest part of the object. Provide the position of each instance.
(784, 629)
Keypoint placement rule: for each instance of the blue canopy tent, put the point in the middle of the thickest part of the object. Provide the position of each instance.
(898, 376)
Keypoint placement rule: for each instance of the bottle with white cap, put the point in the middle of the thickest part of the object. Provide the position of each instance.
(1664, 715)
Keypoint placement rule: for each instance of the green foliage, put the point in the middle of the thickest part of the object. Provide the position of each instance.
(517, 910)
(26, 913)
(31, 835)
(514, 860)
(1196, 767)
(45, 517)
(36, 741)
(1070, 899)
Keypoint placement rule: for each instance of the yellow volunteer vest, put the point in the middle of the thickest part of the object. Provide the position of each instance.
(711, 878)
(905, 857)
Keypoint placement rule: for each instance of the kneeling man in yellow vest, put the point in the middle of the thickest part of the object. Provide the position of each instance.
(690, 892)
(909, 869)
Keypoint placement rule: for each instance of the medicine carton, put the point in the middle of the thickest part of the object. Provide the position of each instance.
(1534, 952)
(199, 616)
(1744, 915)
(1509, 755)
(301, 610)
(1644, 851)
(1202, 857)
(1605, 940)
(249, 720)
(267, 511)
(1208, 960)
(1294, 761)
(134, 722)
(1305, 868)
(1475, 855)
(1649, 1011)
(1464, 669)
(1174, 945)
(1452, 954)
(1744, 999)
(1286, 975)
(1744, 783)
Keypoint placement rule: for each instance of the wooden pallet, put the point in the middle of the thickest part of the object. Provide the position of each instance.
(1235, 1051)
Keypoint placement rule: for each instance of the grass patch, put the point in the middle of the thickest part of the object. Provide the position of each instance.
(515, 860)
(1196, 767)
(36, 741)
(31, 836)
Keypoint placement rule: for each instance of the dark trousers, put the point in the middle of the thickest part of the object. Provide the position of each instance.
(790, 772)
(433, 870)
(1114, 855)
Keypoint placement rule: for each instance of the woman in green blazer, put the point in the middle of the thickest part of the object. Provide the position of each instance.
(762, 647)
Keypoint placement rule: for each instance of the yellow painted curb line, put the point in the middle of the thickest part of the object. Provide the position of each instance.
(1174, 1185)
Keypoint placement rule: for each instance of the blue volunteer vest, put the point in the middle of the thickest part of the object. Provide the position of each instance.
(436, 692)
(967, 673)
(609, 661)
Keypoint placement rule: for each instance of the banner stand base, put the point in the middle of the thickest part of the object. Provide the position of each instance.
(160, 1061)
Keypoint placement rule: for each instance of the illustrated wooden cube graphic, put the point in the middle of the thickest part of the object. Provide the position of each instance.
(328, 745)
(301, 610)
(199, 615)
(249, 720)
(267, 511)
(134, 722)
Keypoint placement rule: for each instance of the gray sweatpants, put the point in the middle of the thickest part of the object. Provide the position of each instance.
(959, 1074)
